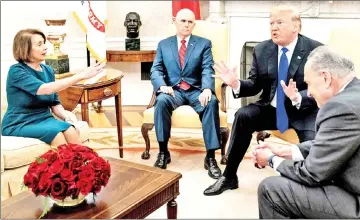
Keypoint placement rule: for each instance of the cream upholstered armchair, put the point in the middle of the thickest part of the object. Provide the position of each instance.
(185, 116)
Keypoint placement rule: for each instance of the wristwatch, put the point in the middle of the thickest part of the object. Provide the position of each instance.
(270, 162)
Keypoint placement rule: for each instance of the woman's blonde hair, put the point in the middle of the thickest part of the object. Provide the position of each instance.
(22, 44)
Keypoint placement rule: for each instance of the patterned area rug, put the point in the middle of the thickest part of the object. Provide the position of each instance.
(106, 138)
(186, 139)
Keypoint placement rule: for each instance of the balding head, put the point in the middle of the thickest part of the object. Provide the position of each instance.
(184, 22)
(326, 72)
(185, 13)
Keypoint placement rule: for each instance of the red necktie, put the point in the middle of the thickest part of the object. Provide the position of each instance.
(182, 52)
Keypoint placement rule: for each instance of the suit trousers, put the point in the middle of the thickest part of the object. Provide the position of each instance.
(280, 197)
(247, 120)
(209, 115)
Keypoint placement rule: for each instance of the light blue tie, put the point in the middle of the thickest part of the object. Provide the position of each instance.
(282, 120)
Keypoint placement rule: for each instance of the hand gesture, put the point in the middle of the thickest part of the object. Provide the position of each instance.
(226, 74)
(290, 90)
(205, 97)
(92, 70)
(167, 90)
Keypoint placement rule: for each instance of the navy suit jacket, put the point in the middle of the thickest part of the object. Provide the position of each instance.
(264, 73)
(198, 64)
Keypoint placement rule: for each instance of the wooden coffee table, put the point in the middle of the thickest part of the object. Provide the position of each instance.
(134, 191)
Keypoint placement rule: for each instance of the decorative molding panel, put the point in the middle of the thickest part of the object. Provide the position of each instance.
(307, 9)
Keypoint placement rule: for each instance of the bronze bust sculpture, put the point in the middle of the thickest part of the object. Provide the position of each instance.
(132, 23)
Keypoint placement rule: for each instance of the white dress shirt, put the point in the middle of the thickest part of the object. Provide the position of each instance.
(295, 151)
(179, 39)
(289, 53)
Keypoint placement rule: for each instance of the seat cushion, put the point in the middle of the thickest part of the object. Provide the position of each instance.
(184, 117)
(20, 151)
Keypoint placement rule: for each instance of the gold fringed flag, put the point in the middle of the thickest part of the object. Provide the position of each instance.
(91, 16)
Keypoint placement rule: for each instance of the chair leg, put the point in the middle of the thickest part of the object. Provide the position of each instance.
(224, 133)
(145, 128)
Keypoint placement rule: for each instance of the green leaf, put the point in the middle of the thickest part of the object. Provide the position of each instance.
(40, 160)
(46, 207)
(23, 186)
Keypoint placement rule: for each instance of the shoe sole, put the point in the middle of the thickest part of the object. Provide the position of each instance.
(209, 173)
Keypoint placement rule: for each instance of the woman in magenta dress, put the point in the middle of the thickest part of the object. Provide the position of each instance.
(32, 93)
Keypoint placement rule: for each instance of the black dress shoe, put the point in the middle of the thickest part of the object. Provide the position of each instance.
(163, 159)
(214, 171)
(221, 185)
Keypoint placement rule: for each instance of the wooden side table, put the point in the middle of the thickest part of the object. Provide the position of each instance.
(84, 93)
(130, 56)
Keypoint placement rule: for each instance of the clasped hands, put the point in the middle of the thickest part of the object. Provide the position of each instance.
(260, 154)
(229, 77)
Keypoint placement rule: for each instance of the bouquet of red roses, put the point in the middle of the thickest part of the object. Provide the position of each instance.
(67, 171)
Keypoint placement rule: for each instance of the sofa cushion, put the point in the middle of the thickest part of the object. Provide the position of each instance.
(84, 130)
(20, 151)
(184, 116)
(2, 163)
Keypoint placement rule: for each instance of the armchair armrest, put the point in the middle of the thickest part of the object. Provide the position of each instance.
(152, 101)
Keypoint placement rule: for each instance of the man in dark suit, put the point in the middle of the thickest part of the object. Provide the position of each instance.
(182, 75)
(276, 63)
(326, 184)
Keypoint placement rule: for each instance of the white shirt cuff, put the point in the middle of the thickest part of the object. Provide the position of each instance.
(296, 156)
(296, 153)
(237, 90)
(297, 103)
(277, 161)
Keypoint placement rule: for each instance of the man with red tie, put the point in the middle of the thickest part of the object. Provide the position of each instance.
(182, 75)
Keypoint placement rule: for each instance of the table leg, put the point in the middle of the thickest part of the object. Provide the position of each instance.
(85, 112)
(119, 123)
(172, 209)
(98, 108)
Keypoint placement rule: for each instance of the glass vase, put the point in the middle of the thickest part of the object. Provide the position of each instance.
(68, 201)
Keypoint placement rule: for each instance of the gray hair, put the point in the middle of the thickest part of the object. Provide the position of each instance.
(324, 58)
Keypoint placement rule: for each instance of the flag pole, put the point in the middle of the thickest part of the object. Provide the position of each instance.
(87, 54)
